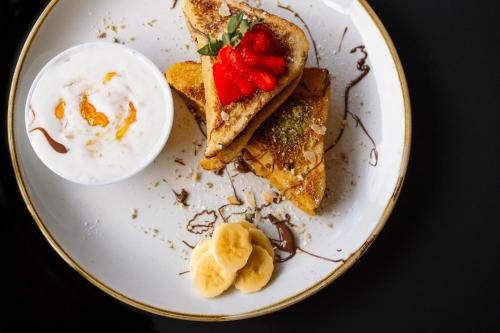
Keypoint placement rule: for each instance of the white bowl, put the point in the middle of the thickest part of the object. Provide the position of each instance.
(105, 170)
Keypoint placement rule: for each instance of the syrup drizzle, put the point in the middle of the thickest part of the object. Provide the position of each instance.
(199, 121)
(286, 242)
(58, 147)
(342, 40)
(364, 69)
(297, 15)
(202, 227)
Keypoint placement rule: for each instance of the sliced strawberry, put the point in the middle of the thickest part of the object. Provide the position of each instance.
(274, 64)
(263, 80)
(236, 70)
(231, 57)
(227, 91)
(261, 39)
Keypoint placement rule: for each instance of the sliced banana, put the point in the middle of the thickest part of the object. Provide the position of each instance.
(231, 246)
(257, 237)
(200, 248)
(256, 273)
(247, 225)
(210, 279)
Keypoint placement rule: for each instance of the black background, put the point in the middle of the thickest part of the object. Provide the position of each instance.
(435, 266)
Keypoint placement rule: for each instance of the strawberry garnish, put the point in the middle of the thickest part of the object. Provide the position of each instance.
(227, 91)
(248, 58)
(264, 80)
(261, 39)
(274, 64)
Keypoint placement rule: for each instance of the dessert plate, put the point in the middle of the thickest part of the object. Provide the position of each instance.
(130, 239)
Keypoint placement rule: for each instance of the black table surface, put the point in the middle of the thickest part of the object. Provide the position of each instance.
(434, 268)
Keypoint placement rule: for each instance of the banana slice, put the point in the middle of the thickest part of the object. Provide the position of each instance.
(258, 237)
(209, 278)
(231, 246)
(256, 273)
(247, 225)
(200, 248)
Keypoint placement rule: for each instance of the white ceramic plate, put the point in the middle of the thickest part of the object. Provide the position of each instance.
(138, 260)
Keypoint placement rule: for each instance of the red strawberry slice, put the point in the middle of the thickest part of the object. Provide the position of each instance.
(263, 80)
(274, 64)
(236, 70)
(261, 39)
(227, 91)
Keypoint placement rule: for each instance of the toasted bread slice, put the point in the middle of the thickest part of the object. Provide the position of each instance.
(288, 148)
(186, 78)
(204, 18)
(284, 161)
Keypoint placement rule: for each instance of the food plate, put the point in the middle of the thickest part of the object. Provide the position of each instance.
(130, 238)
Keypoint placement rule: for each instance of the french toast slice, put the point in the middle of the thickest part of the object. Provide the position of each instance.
(288, 147)
(211, 17)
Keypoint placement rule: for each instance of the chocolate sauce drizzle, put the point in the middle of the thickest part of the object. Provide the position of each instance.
(188, 245)
(321, 257)
(174, 3)
(235, 194)
(232, 186)
(200, 121)
(364, 69)
(342, 40)
(179, 161)
(58, 147)
(182, 273)
(34, 115)
(286, 241)
(202, 227)
(297, 15)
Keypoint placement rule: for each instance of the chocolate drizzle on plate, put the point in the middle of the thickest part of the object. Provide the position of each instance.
(173, 4)
(286, 241)
(179, 161)
(235, 196)
(34, 115)
(320, 257)
(197, 227)
(364, 69)
(58, 147)
(188, 245)
(200, 121)
(297, 15)
(342, 40)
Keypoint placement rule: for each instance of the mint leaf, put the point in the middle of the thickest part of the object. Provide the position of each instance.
(226, 39)
(244, 27)
(235, 40)
(205, 50)
(237, 27)
(234, 22)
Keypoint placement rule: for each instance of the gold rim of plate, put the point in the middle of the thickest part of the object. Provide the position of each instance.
(187, 316)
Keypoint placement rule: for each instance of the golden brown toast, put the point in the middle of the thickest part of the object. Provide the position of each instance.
(277, 149)
(288, 148)
(204, 18)
(185, 77)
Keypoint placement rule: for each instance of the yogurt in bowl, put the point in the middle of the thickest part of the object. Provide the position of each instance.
(98, 113)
